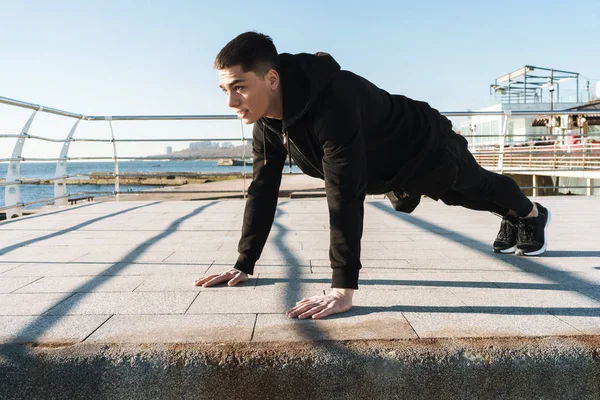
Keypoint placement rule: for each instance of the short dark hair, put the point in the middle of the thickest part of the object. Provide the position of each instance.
(252, 51)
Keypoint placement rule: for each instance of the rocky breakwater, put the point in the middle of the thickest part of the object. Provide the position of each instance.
(142, 179)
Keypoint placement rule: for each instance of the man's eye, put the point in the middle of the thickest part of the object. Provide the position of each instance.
(238, 88)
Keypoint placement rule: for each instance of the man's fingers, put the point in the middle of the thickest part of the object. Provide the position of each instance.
(322, 313)
(217, 279)
(203, 280)
(325, 312)
(295, 311)
(312, 311)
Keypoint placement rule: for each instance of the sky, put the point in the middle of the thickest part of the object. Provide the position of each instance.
(155, 57)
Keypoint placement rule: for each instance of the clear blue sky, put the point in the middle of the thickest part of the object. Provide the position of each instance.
(155, 57)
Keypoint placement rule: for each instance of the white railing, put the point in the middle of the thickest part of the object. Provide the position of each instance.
(535, 158)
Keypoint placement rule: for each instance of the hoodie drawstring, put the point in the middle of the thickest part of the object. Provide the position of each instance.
(287, 140)
(264, 145)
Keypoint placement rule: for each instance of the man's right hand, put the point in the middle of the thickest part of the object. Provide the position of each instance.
(232, 277)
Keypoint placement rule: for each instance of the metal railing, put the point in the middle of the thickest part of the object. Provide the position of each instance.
(14, 205)
(534, 158)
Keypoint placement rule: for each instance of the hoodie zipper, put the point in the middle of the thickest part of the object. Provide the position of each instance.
(288, 140)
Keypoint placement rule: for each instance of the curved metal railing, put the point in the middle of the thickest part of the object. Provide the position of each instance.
(533, 157)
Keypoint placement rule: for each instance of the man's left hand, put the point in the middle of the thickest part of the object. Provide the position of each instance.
(338, 301)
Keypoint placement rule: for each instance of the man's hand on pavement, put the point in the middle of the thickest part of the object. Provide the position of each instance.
(338, 301)
(232, 277)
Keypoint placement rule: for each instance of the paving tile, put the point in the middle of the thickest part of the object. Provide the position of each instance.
(368, 264)
(7, 267)
(29, 304)
(524, 299)
(48, 329)
(125, 303)
(248, 302)
(470, 324)
(156, 269)
(109, 257)
(417, 299)
(458, 265)
(10, 284)
(400, 279)
(521, 280)
(58, 269)
(45, 254)
(585, 321)
(275, 268)
(83, 284)
(346, 326)
(185, 283)
(548, 263)
(268, 279)
(216, 328)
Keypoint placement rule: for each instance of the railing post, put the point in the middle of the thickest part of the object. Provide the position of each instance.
(12, 193)
(116, 170)
(244, 158)
(534, 184)
(60, 186)
(590, 187)
(503, 140)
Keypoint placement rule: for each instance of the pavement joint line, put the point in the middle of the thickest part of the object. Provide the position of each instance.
(57, 304)
(411, 326)
(254, 327)
(192, 302)
(137, 287)
(11, 268)
(566, 322)
(167, 257)
(98, 327)
(42, 277)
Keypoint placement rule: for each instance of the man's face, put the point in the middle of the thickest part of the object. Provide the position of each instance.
(247, 93)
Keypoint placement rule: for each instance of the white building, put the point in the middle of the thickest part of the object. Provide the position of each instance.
(527, 88)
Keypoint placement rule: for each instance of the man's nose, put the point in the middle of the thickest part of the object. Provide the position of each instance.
(232, 100)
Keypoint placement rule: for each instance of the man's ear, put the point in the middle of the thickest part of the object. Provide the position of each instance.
(273, 79)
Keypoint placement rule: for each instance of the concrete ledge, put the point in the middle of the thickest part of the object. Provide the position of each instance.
(417, 369)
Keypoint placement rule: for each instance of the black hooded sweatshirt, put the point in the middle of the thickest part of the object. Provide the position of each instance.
(339, 127)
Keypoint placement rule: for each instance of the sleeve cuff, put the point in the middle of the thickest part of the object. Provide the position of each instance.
(245, 264)
(345, 278)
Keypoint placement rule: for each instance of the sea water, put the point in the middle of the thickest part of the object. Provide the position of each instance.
(38, 170)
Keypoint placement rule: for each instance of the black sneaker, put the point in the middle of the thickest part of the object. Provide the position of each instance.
(531, 240)
(506, 241)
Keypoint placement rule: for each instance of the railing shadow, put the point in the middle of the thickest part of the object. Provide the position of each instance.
(13, 247)
(572, 253)
(294, 282)
(43, 323)
(44, 214)
(526, 264)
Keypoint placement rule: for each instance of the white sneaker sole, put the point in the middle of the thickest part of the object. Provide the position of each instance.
(543, 249)
(510, 250)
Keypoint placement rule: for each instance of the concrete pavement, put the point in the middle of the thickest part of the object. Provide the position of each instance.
(121, 273)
